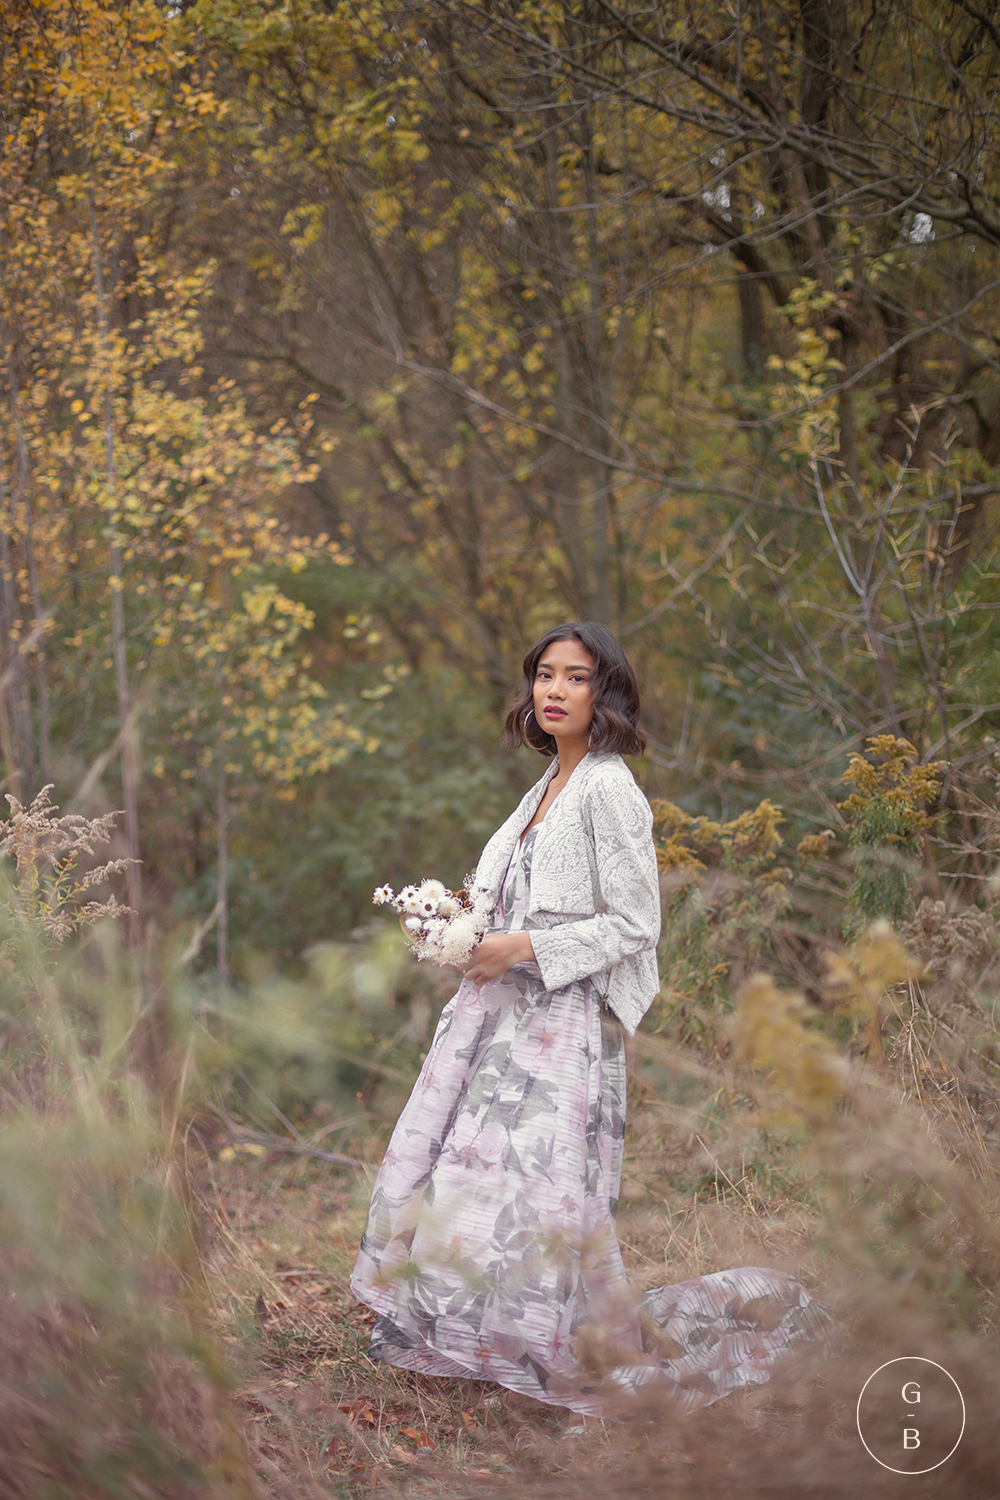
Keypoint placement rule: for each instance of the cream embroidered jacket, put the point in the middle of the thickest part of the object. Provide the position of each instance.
(595, 899)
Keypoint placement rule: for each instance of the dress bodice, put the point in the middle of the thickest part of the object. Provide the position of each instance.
(515, 902)
(516, 890)
(515, 895)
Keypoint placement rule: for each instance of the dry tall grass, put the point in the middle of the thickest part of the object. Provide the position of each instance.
(176, 1243)
(881, 1198)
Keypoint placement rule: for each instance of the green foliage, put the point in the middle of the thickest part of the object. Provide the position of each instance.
(422, 802)
(493, 381)
(892, 1174)
(724, 894)
(112, 1378)
(886, 819)
(345, 1038)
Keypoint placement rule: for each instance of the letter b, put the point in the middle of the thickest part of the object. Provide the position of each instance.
(911, 1437)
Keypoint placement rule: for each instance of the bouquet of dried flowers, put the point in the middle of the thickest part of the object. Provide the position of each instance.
(440, 925)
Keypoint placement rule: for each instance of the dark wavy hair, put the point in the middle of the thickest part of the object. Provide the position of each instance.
(615, 725)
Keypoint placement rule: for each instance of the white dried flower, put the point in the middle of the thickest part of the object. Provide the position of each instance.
(408, 900)
(432, 890)
(383, 895)
(413, 924)
(458, 940)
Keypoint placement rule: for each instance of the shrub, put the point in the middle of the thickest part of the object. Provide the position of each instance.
(886, 818)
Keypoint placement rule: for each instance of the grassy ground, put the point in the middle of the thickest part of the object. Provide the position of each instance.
(323, 1419)
(707, 1185)
(175, 1315)
(136, 1361)
(178, 1223)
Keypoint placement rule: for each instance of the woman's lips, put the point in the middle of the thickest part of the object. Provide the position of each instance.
(554, 713)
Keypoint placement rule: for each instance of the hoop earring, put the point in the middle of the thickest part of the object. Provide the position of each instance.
(524, 727)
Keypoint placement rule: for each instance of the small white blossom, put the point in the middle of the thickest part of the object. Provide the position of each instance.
(408, 900)
(432, 890)
(459, 939)
(383, 895)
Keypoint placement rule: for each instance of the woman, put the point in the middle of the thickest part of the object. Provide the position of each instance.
(490, 1250)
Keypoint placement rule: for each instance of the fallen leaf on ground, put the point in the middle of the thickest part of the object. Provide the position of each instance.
(358, 1411)
(420, 1439)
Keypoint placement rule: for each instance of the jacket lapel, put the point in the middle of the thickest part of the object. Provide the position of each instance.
(554, 827)
(562, 824)
(496, 856)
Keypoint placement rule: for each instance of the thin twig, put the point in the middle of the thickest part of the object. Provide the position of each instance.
(290, 1148)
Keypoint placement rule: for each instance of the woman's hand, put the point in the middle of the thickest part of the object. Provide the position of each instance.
(498, 952)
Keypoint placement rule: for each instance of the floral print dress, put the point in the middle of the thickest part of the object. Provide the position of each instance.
(490, 1250)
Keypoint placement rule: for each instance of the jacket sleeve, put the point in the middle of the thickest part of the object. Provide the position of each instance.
(621, 824)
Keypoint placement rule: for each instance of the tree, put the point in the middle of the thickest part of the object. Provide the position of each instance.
(141, 499)
(505, 220)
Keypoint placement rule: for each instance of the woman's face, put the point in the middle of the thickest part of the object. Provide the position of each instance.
(563, 699)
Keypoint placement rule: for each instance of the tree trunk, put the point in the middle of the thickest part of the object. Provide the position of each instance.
(119, 641)
(751, 326)
(222, 898)
(41, 665)
(11, 670)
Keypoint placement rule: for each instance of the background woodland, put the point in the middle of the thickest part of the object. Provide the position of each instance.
(345, 347)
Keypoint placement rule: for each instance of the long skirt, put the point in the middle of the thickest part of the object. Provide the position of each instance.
(490, 1251)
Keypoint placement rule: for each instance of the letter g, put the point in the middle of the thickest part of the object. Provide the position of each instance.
(911, 1385)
